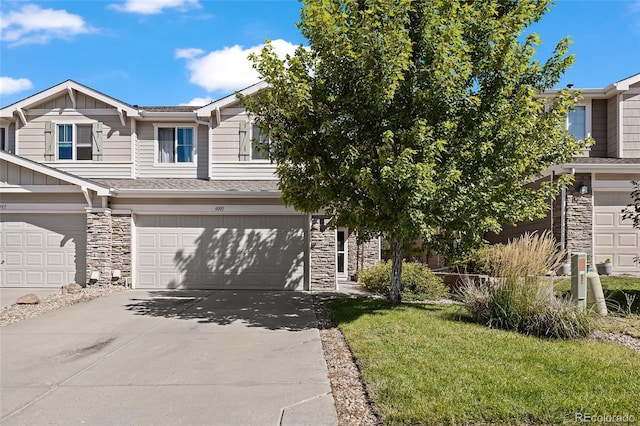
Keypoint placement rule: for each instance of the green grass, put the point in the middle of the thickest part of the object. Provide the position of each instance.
(614, 288)
(423, 364)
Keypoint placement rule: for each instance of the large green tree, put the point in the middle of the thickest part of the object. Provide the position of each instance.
(413, 119)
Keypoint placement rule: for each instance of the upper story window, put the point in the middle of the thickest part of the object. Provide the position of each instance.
(75, 141)
(577, 122)
(4, 139)
(176, 144)
(257, 152)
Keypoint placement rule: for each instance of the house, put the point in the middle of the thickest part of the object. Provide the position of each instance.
(587, 217)
(93, 189)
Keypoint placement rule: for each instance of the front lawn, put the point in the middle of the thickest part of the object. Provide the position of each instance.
(424, 365)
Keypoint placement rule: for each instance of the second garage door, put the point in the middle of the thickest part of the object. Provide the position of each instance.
(216, 252)
(615, 238)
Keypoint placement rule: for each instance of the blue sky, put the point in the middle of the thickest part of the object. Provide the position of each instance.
(171, 52)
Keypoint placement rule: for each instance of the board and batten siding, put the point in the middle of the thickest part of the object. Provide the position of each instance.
(13, 174)
(147, 165)
(612, 127)
(82, 102)
(10, 133)
(631, 126)
(599, 128)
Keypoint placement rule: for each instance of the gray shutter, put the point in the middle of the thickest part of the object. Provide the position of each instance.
(245, 142)
(49, 141)
(96, 130)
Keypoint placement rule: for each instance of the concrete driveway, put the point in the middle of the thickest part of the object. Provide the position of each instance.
(168, 358)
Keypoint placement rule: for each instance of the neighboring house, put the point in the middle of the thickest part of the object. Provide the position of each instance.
(96, 190)
(587, 217)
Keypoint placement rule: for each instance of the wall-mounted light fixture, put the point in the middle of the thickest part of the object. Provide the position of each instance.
(583, 189)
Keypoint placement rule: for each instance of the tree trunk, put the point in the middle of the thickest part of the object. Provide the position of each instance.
(396, 272)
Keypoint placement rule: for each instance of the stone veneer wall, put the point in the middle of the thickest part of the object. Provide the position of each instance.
(323, 255)
(121, 247)
(352, 256)
(362, 256)
(579, 217)
(99, 232)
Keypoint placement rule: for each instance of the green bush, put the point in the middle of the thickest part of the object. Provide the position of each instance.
(517, 304)
(418, 282)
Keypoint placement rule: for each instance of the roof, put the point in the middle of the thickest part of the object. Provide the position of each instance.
(601, 165)
(180, 186)
(599, 160)
(206, 110)
(169, 108)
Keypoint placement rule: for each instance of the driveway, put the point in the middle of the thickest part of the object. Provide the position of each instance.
(168, 358)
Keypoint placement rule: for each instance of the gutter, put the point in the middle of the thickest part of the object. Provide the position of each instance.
(178, 193)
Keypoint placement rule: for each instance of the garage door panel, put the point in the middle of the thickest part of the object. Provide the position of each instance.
(42, 250)
(615, 237)
(223, 251)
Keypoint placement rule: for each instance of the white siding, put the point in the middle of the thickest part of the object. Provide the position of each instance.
(243, 171)
(96, 169)
(631, 126)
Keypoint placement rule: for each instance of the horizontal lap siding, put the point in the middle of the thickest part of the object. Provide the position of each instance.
(147, 153)
(226, 136)
(599, 128)
(612, 126)
(631, 126)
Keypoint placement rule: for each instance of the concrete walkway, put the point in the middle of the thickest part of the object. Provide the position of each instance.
(168, 358)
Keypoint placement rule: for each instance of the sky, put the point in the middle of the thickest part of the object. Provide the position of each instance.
(179, 52)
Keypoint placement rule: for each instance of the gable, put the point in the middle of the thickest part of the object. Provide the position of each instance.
(14, 174)
(64, 101)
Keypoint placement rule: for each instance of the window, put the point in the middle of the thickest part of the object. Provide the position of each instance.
(4, 139)
(258, 137)
(577, 122)
(75, 142)
(175, 144)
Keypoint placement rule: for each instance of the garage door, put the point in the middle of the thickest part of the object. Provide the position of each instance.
(213, 252)
(615, 238)
(42, 250)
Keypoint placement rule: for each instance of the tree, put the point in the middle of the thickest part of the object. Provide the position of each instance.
(418, 118)
(632, 211)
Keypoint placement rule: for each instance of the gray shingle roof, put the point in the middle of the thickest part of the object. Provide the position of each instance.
(175, 184)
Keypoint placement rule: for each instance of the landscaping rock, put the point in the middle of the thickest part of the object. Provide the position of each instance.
(28, 299)
(71, 288)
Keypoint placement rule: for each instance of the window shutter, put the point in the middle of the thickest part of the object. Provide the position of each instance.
(49, 141)
(245, 142)
(96, 129)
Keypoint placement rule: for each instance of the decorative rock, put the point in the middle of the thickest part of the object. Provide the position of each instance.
(28, 299)
(71, 288)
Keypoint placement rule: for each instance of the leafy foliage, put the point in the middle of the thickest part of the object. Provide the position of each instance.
(416, 119)
(418, 282)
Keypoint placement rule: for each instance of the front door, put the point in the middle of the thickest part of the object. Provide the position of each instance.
(341, 253)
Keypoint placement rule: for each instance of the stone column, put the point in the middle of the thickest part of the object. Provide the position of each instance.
(323, 255)
(99, 231)
(121, 247)
(579, 217)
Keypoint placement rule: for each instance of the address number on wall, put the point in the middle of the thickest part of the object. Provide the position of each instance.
(218, 208)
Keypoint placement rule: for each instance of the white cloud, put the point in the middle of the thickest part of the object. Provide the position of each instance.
(199, 101)
(33, 24)
(10, 85)
(152, 7)
(227, 69)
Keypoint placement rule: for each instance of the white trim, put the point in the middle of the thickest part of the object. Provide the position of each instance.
(134, 250)
(100, 190)
(16, 138)
(620, 124)
(209, 209)
(344, 274)
(30, 189)
(307, 254)
(206, 110)
(71, 95)
(21, 115)
(42, 208)
(176, 126)
(598, 168)
(593, 221)
(134, 144)
(64, 87)
(83, 112)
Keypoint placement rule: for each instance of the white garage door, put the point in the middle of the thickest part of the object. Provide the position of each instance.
(214, 252)
(42, 250)
(615, 238)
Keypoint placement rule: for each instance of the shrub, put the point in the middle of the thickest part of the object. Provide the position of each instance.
(532, 254)
(517, 304)
(418, 282)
